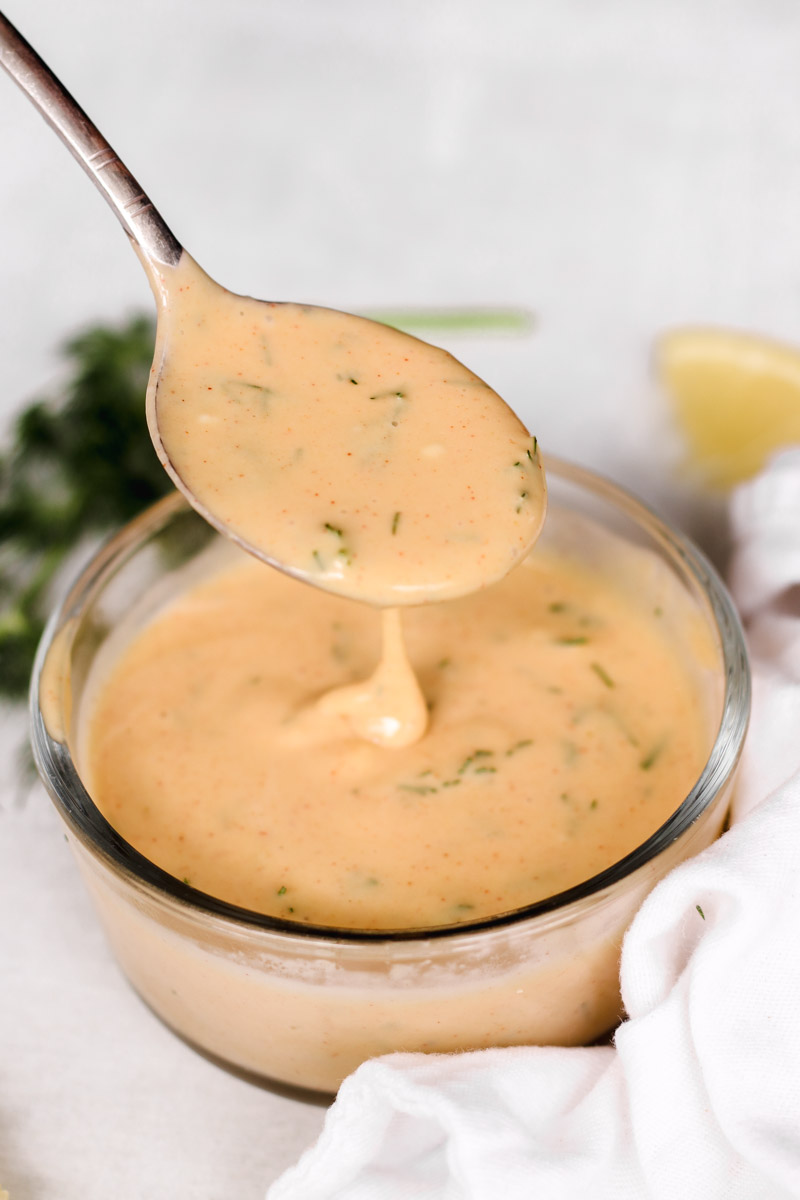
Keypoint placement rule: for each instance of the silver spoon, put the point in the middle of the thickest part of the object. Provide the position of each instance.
(382, 569)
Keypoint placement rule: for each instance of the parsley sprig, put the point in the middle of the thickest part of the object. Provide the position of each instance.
(79, 463)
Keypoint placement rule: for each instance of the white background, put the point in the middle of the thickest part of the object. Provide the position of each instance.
(617, 167)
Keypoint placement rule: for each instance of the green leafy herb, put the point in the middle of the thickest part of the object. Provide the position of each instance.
(699, 909)
(395, 523)
(572, 641)
(419, 789)
(522, 745)
(80, 462)
(282, 890)
(187, 881)
(332, 529)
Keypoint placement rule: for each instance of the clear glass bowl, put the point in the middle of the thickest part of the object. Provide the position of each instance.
(304, 1006)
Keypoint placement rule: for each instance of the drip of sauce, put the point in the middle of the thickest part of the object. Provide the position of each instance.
(351, 455)
(388, 709)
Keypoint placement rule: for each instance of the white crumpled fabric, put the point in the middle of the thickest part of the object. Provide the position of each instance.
(699, 1097)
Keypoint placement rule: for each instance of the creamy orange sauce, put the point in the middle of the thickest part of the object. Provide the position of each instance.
(215, 747)
(356, 457)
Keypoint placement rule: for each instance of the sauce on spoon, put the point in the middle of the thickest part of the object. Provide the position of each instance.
(351, 455)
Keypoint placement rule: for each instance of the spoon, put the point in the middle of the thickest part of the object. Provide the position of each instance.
(344, 452)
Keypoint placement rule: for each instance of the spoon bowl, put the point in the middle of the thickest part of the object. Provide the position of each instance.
(342, 451)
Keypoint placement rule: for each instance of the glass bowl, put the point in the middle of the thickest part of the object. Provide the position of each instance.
(302, 1005)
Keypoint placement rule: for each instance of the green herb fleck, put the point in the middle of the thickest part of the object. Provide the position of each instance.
(571, 752)
(187, 881)
(486, 770)
(451, 782)
(442, 663)
(354, 381)
(558, 606)
(602, 674)
(465, 907)
(395, 523)
(649, 761)
(389, 394)
(332, 529)
(594, 804)
(519, 746)
(419, 789)
(699, 909)
(571, 641)
(282, 890)
(317, 557)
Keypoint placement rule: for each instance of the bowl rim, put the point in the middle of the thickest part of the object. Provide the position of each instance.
(59, 774)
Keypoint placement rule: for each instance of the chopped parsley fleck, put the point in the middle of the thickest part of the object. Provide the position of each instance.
(699, 909)
(419, 789)
(282, 890)
(451, 782)
(571, 752)
(558, 606)
(395, 523)
(392, 392)
(486, 770)
(594, 804)
(602, 675)
(649, 761)
(332, 529)
(187, 881)
(519, 746)
(571, 641)
(442, 663)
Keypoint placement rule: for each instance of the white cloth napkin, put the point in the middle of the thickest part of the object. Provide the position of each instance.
(699, 1098)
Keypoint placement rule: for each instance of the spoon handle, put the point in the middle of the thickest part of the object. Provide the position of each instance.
(139, 218)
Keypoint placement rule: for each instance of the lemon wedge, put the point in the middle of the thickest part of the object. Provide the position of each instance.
(736, 397)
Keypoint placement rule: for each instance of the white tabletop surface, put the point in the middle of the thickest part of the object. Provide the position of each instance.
(617, 168)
